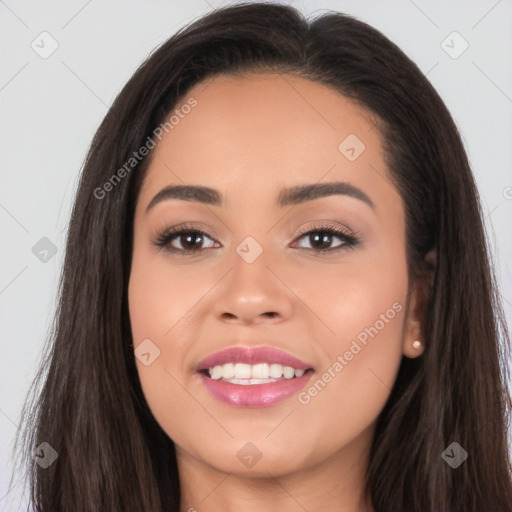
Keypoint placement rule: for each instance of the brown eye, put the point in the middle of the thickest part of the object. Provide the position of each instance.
(320, 239)
(183, 240)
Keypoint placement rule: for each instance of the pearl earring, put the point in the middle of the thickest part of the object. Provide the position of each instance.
(416, 344)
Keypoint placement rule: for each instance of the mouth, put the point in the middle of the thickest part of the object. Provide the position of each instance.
(253, 377)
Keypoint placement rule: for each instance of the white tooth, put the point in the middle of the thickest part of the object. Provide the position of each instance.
(260, 371)
(253, 374)
(216, 372)
(251, 382)
(276, 371)
(242, 371)
(228, 371)
(288, 372)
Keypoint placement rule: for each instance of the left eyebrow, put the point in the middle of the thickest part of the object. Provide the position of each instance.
(289, 196)
(302, 193)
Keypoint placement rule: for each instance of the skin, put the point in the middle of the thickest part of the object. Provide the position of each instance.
(249, 137)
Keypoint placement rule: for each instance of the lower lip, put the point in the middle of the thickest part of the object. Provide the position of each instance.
(255, 395)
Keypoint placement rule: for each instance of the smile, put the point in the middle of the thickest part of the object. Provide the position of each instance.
(253, 377)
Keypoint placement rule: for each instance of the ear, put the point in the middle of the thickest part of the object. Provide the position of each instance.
(417, 307)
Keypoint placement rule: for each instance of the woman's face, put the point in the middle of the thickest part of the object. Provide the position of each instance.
(337, 302)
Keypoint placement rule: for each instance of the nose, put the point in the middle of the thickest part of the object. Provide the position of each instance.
(254, 293)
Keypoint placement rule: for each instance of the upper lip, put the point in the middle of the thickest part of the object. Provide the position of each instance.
(252, 355)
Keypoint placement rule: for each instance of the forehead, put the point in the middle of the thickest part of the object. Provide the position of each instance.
(263, 131)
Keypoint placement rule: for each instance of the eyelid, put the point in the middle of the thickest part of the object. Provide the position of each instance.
(327, 225)
(188, 226)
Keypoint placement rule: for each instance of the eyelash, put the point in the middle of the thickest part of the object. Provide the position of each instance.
(163, 240)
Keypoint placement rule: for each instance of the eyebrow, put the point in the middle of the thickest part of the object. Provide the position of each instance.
(290, 196)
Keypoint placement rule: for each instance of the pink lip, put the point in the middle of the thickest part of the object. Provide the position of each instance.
(249, 355)
(256, 395)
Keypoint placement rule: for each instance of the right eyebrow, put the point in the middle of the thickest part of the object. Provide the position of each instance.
(195, 193)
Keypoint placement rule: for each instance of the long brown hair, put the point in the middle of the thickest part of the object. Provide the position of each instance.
(87, 401)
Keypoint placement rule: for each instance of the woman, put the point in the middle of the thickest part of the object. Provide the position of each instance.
(276, 292)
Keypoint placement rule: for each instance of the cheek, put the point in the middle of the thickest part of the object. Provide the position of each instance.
(166, 306)
(363, 307)
(162, 298)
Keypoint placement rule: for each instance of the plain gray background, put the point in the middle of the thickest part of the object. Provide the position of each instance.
(51, 107)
